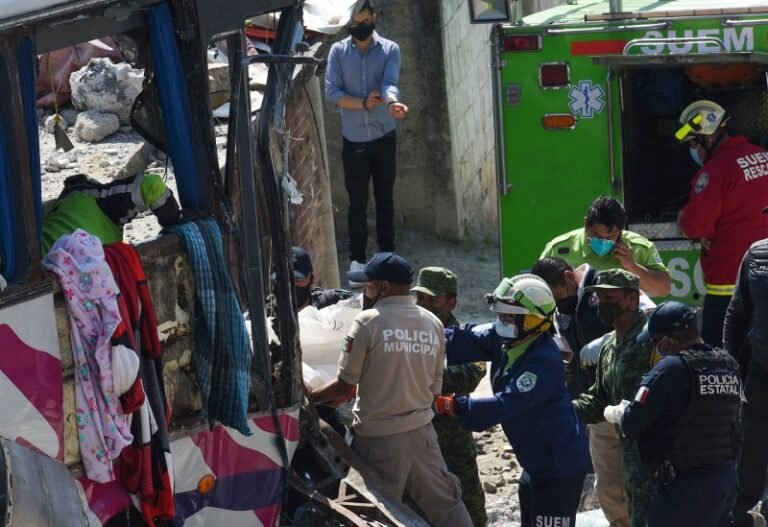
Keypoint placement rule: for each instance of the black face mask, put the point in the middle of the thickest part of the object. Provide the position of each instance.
(303, 294)
(361, 31)
(567, 305)
(368, 303)
(608, 312)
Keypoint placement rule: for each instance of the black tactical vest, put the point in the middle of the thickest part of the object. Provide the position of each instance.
(757, 279)
(707, 435)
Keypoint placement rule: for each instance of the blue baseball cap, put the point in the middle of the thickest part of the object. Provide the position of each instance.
(302, 263)
(389, 267)
(666, 318)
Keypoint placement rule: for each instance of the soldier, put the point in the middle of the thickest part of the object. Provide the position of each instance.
(685, 417)
(620, 367)
(436, 292)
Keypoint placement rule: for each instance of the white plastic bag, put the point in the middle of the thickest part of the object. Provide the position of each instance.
(322, 331)
(327, 16)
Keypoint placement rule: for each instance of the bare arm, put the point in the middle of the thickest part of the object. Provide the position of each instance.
(331, 391)
(654, 283)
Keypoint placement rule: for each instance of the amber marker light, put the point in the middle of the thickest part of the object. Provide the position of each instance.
(206, 484)
(559, 121)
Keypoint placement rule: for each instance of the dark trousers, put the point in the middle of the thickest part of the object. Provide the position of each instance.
(754, 454)
(703, 500)
(549, 501)
(713, 319)
(375, 160)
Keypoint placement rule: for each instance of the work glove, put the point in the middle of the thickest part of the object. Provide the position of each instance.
(444, 404)
(614, 413)
(590, 353)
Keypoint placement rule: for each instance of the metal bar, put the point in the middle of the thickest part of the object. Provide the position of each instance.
(286, 59)
(501, 147)
(609, 102)
(680, 40)
(733, 22)
(604, 29)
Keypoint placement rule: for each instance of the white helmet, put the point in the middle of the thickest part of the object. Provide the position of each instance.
(524, 294)
(701, 118)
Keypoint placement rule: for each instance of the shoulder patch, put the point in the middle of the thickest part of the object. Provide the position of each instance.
(701, 183)
(346, 344)
(526, 382)
(642, 394)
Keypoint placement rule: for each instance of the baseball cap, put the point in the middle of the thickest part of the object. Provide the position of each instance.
(668, 317)
(436, 281)
(302, 263)
(615, 279)
(387, 266)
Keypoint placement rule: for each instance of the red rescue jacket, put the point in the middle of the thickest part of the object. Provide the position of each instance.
(728, 195)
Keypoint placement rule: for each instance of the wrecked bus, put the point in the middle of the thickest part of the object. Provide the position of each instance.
(586, 101)
(207, 473)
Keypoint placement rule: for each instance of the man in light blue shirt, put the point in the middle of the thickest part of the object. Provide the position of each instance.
(361, 79)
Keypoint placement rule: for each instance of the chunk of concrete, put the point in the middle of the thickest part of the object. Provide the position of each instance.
(92, 126)
(107, 87)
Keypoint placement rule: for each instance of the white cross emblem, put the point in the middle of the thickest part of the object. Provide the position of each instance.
(586, 99)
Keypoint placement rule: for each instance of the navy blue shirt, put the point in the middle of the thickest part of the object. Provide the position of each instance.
(358, 74)
(530, 400)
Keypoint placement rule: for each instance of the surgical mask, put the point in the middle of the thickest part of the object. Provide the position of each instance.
(695, 156)
(505, 331)
(361, 31)
(608, 312)
(567, 305)
(368, 302)
(437, 311)
(601, 246)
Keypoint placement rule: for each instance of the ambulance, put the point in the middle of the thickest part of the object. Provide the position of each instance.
(587, 97)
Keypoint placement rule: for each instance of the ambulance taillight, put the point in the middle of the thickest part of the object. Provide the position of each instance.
(554, 75)
(521, 43)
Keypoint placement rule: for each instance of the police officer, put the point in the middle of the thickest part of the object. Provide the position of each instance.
(394, 353)
(746, 338)
(436, 291)
(727, 195)
(304, 278)
(530, 400)
(685, 417)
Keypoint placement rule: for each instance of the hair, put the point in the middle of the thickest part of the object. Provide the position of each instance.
(607, 211)
(367, 6)
(551, 270)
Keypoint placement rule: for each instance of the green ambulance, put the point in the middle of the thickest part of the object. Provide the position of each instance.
(586, 101)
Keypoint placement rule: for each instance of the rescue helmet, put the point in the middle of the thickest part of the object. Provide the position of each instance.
(524, 294)
(702, 117)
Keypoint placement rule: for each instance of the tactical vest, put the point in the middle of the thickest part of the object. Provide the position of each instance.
(708, 433)
(757, 279)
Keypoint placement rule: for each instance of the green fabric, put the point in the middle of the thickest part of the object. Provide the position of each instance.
(515, 352)
(615, 279)
(574, 249)
(620, 368)
(82, 210)
(152, 189)
(436, 281)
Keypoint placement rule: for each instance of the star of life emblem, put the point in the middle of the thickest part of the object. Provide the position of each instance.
(586, 99)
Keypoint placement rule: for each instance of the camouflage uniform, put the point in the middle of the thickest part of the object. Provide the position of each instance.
(457, 444)
(620, 368)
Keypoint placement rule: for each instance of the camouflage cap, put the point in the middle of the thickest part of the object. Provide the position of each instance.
(436, 281)
(615, 279)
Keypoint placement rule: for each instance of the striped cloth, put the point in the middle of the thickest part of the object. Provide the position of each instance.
(222, 349)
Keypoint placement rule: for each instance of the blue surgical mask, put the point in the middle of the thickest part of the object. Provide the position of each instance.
(505, 331)
(601, 246)
(695, 156)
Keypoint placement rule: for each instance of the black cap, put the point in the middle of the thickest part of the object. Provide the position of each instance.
(666, 318)
(389, 267)
(302, 263)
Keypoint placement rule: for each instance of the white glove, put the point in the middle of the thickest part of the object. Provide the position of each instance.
(591, 351)
(613, 414)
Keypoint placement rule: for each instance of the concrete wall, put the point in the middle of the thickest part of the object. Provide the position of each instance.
(425, 196)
